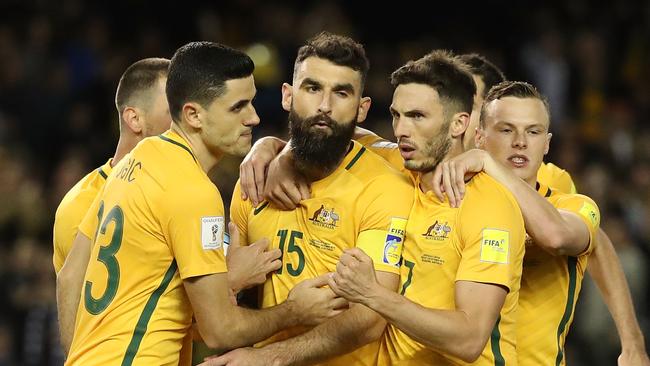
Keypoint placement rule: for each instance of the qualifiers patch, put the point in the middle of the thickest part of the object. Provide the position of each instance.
(591, 213)
(495, 246)
(212, 230)
(394, 241)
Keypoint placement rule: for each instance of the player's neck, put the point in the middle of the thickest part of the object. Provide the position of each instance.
(206, 158)
(124, 146)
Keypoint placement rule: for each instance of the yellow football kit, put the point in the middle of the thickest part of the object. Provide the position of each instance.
(481, 241)
(550, 286)
(72, 210)
(159, 220)
(364, 203)
(555, 177)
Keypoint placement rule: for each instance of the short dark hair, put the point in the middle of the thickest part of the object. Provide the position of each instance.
(446, 74)
(139, 78)
(199, 71)
(486, 70)
(339, 50)
(517, 89)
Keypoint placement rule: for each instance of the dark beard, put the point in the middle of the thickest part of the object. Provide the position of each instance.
(319, 151)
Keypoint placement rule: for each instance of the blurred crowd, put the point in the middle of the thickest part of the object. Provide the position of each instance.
(60, 63)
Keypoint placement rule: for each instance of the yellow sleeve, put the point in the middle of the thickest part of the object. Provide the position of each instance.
(90, 222)
(387, 203)
(66, 223)
(492, 235)
(194, 226)
(584, 207)
(239, 210)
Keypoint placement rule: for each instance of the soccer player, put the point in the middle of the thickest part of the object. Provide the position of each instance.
(562, 227)
(357, 200)
(157, 230)
(604, 265)
(143, 111)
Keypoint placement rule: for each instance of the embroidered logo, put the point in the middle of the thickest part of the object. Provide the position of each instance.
(438, 231)
(324, 217)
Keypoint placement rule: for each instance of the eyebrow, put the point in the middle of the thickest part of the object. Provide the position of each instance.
(240, 104)
(508, 124)
(347, 87)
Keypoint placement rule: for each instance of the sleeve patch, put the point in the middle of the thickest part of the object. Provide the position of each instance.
(384, 145)
(394, 241)
(590, 212)
(495, 246)
(212, 232)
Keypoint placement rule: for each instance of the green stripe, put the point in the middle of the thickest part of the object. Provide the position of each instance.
(568, 310)
(260, 208)
(147, 312)
(356, 157)
(102, 173)
(495, 339)
(178, 144)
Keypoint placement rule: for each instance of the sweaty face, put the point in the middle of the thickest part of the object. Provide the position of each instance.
(156, 116)
(228, 122)
(516, 134)
(470, 133)
(420, 126)
(323, 105)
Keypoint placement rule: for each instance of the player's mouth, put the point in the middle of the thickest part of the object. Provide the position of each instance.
(248, 134)
(518, 160)
(407, 150)
(321, 125)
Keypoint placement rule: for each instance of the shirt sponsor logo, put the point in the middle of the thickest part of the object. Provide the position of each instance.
(212, 232)
(325, 217)
(437, 231)
(495, 246)
(394, 241)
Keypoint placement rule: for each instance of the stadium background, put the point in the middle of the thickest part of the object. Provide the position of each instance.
(60, 63)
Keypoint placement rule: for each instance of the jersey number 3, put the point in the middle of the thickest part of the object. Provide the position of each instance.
(106, 255)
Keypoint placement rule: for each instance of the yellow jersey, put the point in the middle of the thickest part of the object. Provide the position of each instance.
(555, 177)
(364, 203)
(386, 149)
(158, 221)
(550, 286)
(72, 210)
(480, 241)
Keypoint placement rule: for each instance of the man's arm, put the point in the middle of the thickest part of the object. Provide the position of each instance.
(605, 268)
(224, 326)
(68, 288)
(352, 329)
(252, 170)
(462, 332)
(557, 231)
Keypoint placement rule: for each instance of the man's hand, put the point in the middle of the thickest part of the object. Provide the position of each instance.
(252, 170)
(450, 176)
(249, 265)
(314, 303)
(355, 278)
(241, 357)
(285, 187)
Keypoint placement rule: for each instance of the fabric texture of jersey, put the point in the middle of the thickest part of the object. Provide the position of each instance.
(73, 209)
(363, 203)
(159, 220)
(480, 241)
(555, 177)
(550, 286)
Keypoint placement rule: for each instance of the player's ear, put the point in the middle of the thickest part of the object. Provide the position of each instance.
(459, 124)
(547, 146)
(287, 96)
(132, 119)
(192, 113)
(364, 107)
(479, 138)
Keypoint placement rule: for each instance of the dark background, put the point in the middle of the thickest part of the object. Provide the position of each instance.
(60, 62)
